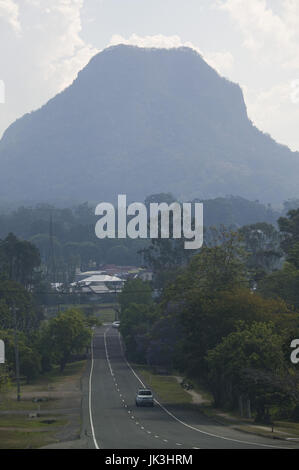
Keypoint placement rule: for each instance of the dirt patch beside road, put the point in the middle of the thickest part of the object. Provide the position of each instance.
(197, 398)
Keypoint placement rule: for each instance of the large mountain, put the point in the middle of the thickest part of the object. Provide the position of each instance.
(141, 121)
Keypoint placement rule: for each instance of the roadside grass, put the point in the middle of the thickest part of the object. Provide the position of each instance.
(286, 425)
(169, 391)
(11, 404)
(248, 424)
(103, 311)
(31, 424)
(21, 432)
(281, 429)
(25, 440)
(47, 382)
(55, 376)
(17, 430)
(206, 395)
(106, 315)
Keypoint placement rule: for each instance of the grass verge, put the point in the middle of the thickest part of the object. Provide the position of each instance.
(24, 440)
(169, 392)
(58, 392)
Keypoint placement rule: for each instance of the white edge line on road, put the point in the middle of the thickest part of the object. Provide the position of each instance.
(107, 356)
(188, 425)
(90, 412)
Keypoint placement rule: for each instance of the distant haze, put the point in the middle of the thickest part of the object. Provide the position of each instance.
(140, 121)
(44, 44)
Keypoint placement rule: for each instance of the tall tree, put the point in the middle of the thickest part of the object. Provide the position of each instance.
(135, 291)
(18, 259)
(68, 333)
(248, 362)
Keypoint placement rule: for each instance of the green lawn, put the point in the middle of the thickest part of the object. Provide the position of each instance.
(105, 315)
(24, 439)
(281, 429)
(21, 432)
(55, 376)
(103, 311)
(30, 424)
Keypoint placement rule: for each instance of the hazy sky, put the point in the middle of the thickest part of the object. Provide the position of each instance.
(44, 43)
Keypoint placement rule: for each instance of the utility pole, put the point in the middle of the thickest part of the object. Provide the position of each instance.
(52, 252)
(17, 357)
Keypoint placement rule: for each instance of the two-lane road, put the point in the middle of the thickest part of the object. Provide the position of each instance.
(116, 423)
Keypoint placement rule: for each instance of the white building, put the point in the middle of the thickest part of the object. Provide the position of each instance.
(99, 284)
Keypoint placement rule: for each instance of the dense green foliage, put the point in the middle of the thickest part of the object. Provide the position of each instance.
(66, 240)
(226, 318)
(39, 342)
(65, 335)
(249, 363)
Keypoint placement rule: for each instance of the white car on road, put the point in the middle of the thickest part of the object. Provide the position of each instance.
(144, 397)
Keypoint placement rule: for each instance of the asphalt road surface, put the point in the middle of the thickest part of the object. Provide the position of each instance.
(116, 423)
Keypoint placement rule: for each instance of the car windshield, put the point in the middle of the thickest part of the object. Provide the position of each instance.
(144, 392)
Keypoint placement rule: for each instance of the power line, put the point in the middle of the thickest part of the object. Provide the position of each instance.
(203, 286)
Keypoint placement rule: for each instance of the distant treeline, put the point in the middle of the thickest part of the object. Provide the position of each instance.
(66, 237)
